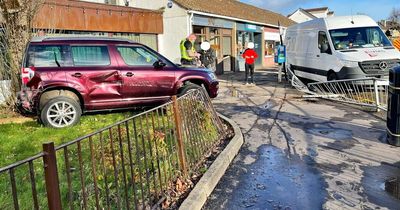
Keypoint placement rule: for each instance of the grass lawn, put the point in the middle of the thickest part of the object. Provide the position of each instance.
(21, 140)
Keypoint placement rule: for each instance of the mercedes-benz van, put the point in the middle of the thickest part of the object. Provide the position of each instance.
(347, 47)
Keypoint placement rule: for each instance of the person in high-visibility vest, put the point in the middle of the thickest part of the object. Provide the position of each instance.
(396, 43)
(188, 51)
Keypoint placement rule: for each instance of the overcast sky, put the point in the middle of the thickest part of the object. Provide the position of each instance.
(377, 9)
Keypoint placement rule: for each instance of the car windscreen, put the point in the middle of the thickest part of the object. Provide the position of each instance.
(363, 37)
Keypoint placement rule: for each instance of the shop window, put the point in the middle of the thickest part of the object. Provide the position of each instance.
(150, 40)
(227, 46)
(216, 45)
(270, 47)
(198, 30)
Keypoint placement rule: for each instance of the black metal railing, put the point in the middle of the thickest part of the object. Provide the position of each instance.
(129, 165)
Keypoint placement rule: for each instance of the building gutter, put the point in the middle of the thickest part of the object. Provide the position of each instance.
(192, 12)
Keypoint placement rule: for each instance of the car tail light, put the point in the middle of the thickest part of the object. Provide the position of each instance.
(27, 74)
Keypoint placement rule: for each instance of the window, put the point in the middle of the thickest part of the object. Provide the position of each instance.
(90, 55)
(323, 41)
(137, 56)
(227, 46)
(48, 56)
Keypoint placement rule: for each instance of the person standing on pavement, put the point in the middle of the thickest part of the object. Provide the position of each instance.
(188, 50)
(207, 55)
(250, 57)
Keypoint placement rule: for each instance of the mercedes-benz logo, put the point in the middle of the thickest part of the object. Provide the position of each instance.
(383, 65)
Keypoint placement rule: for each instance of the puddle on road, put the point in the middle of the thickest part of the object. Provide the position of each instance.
(333, 133)
(234, 93)
(392, 186)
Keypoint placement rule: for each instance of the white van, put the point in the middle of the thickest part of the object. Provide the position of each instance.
(347, 47)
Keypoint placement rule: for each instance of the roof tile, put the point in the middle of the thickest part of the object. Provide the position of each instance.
(235, 9)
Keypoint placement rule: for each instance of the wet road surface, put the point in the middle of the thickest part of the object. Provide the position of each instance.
(302, 154)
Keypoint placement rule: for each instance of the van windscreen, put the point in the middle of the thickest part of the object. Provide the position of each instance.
(363, 37)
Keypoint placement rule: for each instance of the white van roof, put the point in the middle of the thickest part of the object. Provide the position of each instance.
(354, 21)
(337, 22)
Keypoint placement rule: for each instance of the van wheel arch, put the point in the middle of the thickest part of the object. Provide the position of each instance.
(331, 76)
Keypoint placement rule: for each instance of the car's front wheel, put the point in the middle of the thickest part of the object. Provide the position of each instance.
(60, 112)
(187, 88)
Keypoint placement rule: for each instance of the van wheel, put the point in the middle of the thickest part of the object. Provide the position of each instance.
(332, 76)
(61, 111)
(187, 88)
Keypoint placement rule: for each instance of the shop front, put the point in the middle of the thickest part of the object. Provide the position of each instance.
(272, 39)
(219, 33)
(249, 33)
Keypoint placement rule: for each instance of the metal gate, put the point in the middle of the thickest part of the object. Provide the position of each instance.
(370, 92)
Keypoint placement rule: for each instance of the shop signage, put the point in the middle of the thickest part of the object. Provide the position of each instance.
(212, 22)
(250, 27)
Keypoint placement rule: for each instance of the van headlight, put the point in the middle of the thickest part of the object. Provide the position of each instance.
(350, 63)
(212, 76)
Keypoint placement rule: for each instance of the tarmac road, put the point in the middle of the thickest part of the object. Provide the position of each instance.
(302, 154)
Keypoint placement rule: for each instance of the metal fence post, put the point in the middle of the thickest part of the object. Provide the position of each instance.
(376, 94)
(51, 176)
(179, 136)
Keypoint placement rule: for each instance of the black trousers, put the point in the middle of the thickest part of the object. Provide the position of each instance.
(187, 62)
(249, 69)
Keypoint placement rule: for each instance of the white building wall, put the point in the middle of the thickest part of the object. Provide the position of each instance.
(323, 14)
(299, 17)
(176, 27)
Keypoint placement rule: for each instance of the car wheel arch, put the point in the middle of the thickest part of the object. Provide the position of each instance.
(56, 91)
(196, 81)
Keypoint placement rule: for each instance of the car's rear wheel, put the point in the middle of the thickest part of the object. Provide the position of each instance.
(187, 88)
(61, 111)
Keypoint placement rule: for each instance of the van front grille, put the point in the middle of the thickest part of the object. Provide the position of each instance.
(379, 66)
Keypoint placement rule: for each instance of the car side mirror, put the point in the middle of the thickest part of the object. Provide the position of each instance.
(324, 48)
(159, 64)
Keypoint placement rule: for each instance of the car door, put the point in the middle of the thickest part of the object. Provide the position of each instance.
(96, 75)
(141, 79)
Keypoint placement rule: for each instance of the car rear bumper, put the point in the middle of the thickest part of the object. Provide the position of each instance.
(27, 101)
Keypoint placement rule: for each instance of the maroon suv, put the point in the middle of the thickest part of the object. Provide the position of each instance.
(65, 77)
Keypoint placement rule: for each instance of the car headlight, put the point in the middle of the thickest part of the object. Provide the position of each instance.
(350, 63)
(212, 75)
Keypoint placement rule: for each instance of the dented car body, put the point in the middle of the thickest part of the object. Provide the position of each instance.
(101, 74)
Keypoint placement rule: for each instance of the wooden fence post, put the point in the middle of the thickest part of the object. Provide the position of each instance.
(51, 176)
(179, 137)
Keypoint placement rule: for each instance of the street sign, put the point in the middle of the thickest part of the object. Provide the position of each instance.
(280, 54)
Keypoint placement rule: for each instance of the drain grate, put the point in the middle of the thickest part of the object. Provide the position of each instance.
(392, 186)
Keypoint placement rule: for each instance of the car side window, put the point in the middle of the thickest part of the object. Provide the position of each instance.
(137, 56)
(323, 43)
(48, 56)
(90, 55)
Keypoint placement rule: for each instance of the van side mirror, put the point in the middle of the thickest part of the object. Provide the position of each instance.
(325, 48)
(159, 64)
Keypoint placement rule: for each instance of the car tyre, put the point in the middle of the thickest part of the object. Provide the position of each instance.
(61, 111)
(187, 88)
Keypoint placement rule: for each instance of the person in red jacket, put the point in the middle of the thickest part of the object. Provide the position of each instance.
(250, 55)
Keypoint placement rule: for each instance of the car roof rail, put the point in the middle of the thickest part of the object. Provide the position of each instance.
(80, 38)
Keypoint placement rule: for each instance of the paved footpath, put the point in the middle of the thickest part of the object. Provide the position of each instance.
(302, 154)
